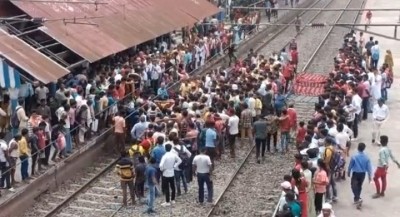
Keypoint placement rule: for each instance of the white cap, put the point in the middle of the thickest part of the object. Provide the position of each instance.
(327, 206)
(286, 185)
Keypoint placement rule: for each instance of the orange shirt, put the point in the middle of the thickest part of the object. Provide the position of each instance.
(119, 124)
(121, 91)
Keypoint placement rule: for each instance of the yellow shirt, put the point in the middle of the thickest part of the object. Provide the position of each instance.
(136, 148)
(258, 104)
(23, 147)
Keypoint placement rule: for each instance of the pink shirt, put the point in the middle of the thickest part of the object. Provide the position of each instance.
(119, 124)
(321, 177)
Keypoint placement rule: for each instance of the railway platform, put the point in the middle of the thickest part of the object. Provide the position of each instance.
(388, 205)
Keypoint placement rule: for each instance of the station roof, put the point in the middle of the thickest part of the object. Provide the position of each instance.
(118, 25)
(29, 59)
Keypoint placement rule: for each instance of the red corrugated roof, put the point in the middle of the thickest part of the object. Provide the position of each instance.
(123, 23)
(30, 60)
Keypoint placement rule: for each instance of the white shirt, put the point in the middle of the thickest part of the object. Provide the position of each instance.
(252, 105)
(380, 113)
(14, 152)
(333, 131)
(169, 162)
(347, 130)
(233, 124)
(203, 163)
(341, 139)
(3, 149)
(357, 102)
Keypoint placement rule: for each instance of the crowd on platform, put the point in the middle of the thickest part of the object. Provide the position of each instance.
(355, 88)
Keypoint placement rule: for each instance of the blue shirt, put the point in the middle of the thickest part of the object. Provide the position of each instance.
(138, 130)
(360, 163)
(211, 136)
(149, 173)
(157, 153)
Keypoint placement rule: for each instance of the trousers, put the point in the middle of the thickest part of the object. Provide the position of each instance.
(380, 176)
(357, 180)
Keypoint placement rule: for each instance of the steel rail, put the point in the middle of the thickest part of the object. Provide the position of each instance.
(233, 177)
(311, 59)
(207, 67)
(70, 197)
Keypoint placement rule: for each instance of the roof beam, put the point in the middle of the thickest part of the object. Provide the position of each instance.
(74, 65)
(27, 32)
(48, 46)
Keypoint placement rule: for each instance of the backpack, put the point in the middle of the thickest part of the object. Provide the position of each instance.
(14, 121)
(280, 101)
(375, 55)
(183, 156)
(336, 162)
(126, 172)
(288, 209)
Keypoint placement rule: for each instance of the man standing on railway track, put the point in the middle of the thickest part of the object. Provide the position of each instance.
(126, 172)
(168, 163)
(152, 182)
(202, 166)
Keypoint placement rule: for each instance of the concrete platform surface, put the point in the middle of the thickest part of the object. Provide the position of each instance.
(389, 205)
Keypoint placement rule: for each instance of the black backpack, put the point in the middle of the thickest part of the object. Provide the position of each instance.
(183, 156)
(14, 121)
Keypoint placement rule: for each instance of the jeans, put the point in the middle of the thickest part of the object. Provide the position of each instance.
(151, 196)
(284, 141)
(201, 179)
(167, 183)
(332, 183)
(365, 108)
(260, 146)
(357, 180)
(179, 175)
(24, 167)
(384, 94)
(5, 175)
(355, 126)
(68, 140)
(374, 63)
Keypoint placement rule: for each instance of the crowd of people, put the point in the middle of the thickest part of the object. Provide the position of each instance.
(355, 88)
(52, 120)
(187, 134)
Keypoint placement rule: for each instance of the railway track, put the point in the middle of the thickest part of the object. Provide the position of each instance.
(251, 178)
(97, 193)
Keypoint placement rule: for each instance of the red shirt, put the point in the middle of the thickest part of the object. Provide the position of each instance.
(288, 71)
(293, 117)
(285, 124)
(295, 56)
(147, 144)
(301, 135)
